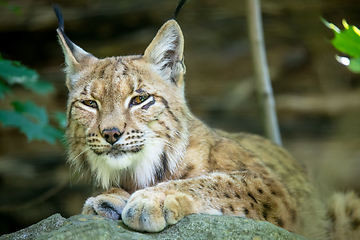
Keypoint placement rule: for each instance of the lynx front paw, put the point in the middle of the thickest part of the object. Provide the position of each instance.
(109, 204)
(152, 211)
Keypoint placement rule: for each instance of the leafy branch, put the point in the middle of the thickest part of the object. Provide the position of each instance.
(347, 41)
(30, 119)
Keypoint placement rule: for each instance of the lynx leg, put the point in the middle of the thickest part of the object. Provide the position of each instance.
(238, 194)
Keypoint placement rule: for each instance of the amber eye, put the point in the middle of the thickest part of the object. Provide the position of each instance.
(90, 103)
(138, 99)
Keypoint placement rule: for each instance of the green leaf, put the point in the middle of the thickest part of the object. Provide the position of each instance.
(4, 89)
(15, 73)
(53, 134)
(31, 120)
(354, 65)
(40, 87)
(61, 119)
(330, 25)
(346, 40)
(30, 109)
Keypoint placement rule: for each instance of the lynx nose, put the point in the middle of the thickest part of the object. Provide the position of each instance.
(111, 135)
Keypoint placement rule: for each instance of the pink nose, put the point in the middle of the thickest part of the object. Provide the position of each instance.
(111, 135)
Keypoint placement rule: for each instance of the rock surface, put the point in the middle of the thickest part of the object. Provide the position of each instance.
(48, 225)
(191, 227)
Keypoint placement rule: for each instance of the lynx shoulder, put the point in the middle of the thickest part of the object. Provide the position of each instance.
(130, 128)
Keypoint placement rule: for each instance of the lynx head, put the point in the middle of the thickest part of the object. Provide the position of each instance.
(127, 116)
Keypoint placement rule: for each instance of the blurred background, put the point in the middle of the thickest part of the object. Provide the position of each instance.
(318, 99)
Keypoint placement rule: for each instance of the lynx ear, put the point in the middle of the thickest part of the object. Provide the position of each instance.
(75, 57)
(165, 52)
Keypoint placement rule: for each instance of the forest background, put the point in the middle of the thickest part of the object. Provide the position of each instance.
(318, 99)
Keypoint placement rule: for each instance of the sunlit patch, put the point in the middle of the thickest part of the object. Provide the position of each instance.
(346, 25)
(356, 30)
(343, 60)
(330, 25)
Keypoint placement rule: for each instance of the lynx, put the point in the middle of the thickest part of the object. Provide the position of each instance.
(130, 128)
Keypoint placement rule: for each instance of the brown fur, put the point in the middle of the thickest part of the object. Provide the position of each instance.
(129, 127)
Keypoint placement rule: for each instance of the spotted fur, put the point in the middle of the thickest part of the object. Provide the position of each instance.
(129, 127)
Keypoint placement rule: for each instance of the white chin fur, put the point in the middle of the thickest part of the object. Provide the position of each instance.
(112, 170)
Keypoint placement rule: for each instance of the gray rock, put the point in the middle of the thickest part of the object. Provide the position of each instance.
(191, 227)
(45, 226)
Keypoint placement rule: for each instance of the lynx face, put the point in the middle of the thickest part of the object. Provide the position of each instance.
(126, 114)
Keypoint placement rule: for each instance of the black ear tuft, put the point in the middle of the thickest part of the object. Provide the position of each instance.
(59, 16)
(179, 6)
(75, 57)
(61, 27)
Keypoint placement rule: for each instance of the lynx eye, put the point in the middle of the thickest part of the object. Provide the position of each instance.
(90, 103)
(138, 99)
